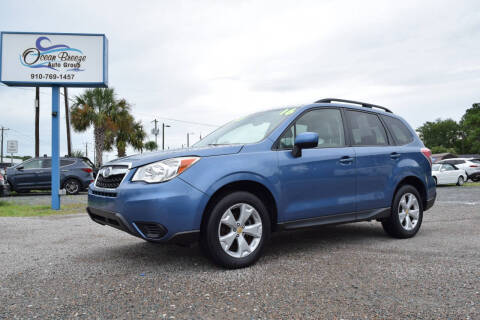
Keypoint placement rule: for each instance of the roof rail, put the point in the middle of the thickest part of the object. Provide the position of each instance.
(363, 104)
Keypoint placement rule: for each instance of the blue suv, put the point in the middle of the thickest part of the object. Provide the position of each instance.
(334, 161)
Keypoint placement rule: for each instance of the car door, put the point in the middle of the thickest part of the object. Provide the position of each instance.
(26, 174)
(45, 174)
(321, 181)
(375, 157)
(451, 173)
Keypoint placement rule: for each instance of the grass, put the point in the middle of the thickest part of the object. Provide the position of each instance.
(8, 209)
(472, 184)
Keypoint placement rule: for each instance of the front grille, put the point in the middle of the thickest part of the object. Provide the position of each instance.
(105, 194)
(113, 179)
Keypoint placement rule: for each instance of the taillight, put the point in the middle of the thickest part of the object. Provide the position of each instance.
(87, 170)
(1, 177)
(473, 166)
(428, 154)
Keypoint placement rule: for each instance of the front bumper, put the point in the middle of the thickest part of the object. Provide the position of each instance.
(162, 212)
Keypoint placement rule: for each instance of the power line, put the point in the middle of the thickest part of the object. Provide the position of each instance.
(140, 113)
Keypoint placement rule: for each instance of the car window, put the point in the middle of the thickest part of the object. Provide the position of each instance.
(448, 167)
(366, 129)
(475, 161)
(436, 167)
(65, 162)
(34, 164)
(250, 129)
(399, 130)
(87, 162)
(46, 163)
(326, 122)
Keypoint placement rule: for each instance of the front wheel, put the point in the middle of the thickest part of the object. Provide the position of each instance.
(460, 181)
(407, 213)
(236, 230)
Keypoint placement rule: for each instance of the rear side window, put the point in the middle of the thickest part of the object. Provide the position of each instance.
(326, 122)
(448, 167)
(366, 129)
(64, 163)
(399, 131)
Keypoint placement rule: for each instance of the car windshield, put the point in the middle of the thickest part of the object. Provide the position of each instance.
(436, 167)
(249, 129)
(475, 161)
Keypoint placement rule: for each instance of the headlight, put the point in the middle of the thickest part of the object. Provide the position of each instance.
(164, 170)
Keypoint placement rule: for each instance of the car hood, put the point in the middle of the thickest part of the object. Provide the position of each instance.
(137, 160)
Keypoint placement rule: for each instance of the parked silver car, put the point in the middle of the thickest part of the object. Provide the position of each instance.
(470, 165)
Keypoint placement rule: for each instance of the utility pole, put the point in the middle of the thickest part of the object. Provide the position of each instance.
(86, 149)
(188, 138)
(37, 122)
(155, 132)
(163, 134)
(1, 157)
(67, 120)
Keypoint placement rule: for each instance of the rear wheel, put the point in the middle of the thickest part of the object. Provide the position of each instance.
(72, 186)
(460, 181)
(236, 230)
(436, 182)
(407, 213)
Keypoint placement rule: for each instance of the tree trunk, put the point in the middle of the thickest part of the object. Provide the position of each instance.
(99, 134)
(121, 150)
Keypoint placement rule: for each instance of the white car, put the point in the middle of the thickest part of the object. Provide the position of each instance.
(470, 165)
(445, 173)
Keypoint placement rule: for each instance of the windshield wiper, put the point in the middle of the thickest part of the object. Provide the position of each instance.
(218, 144)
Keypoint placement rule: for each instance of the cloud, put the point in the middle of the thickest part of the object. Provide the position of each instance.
(212, 61)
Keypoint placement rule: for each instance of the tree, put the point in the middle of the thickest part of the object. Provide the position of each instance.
(126, 131)
(150, 145)
(98, 108)
(441, 133)
(442, 149)
(77, 154)
(470, 125)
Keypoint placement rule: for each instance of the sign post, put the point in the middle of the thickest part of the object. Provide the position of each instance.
(12, 147)
(54, 60)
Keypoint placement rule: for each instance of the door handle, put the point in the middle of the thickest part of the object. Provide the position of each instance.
(346, 160)
(394, 155)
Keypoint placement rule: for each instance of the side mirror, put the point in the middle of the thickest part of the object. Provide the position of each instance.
(20, 168)
(305, 140)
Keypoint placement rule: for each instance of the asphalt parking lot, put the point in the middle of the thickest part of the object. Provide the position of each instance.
(69, 267)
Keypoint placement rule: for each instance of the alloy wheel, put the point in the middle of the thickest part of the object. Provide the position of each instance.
(240, 230)
(408, 211)
(71, 187)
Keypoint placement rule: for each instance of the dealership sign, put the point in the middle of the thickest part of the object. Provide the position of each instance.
(34, 59)
(48, 59)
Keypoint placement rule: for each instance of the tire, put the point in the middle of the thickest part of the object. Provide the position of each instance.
(229, 220)
(436, 181)
(404, 223)
(460, 181)
(72, 186)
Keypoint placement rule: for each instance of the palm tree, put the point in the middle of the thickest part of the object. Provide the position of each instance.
(98, 108)
(127, 131)
(150, 145)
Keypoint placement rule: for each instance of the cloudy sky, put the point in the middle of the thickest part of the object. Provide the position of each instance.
(206, 62)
